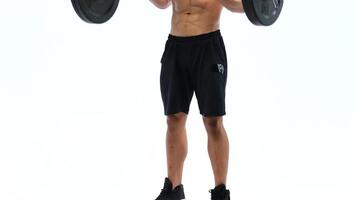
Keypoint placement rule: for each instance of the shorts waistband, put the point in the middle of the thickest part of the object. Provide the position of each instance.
(200, 37)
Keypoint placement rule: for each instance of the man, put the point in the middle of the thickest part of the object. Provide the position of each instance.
(194, 60)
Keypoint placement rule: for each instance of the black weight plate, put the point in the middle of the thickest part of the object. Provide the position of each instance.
(263, 12)
(95, 11)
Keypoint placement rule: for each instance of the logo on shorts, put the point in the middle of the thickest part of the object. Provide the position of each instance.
(221, 68)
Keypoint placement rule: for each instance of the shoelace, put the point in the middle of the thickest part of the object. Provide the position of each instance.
(218, 196)
(164, 194)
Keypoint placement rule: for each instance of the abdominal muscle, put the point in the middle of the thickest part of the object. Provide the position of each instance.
(194, 17)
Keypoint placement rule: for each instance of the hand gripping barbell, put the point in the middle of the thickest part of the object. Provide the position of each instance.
(259, 12)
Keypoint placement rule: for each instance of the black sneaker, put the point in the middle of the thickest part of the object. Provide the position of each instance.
(220, 193)
(168, 193)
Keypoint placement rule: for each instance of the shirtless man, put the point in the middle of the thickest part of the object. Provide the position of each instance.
(194, 60)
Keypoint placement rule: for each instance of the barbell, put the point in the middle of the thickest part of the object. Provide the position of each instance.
(259, 12)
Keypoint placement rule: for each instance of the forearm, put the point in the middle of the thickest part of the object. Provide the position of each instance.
(233, 5)
(162, 4)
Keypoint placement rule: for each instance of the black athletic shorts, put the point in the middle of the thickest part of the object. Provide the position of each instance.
(194, 64)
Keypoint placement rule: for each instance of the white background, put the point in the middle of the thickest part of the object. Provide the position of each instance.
(81, 116)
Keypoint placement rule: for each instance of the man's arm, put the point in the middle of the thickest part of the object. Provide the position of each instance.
(233, 5)
(162, 4)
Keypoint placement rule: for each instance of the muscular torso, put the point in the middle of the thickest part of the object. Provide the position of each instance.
(194, 17)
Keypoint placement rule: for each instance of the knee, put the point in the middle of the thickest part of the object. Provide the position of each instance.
(176, 121)
(213, 124)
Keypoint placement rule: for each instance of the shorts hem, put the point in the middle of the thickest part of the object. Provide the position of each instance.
(213, 114)
(175, 112)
